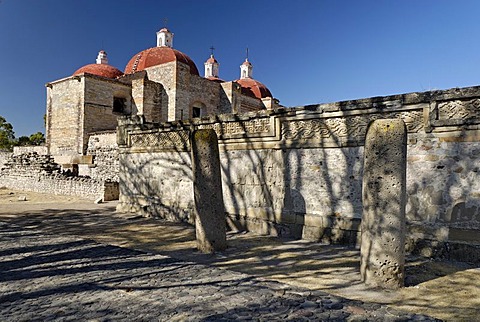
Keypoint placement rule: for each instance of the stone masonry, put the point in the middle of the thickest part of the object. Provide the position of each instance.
(4, 156)
(39, 173)
(298, 172)
(102, 147)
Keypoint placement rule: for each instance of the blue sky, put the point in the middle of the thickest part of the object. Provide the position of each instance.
(305, 51)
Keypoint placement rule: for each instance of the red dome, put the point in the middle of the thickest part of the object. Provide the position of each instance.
(157, 56)
(253, 88)
(103, 70)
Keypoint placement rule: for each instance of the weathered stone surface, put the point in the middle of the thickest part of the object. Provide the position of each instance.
(290, 169)
(103, 149)
(76, 107)
(210, 221)
(383, 220)
(38, 173)
(40, 149)
(4, 157)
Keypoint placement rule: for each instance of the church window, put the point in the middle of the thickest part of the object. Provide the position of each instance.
(119, 105)
(196, 112)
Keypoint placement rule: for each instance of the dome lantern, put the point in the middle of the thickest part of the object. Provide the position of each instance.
(246, 69)
(164, 38)
(102, 57)
(211, 66)
(100, 68)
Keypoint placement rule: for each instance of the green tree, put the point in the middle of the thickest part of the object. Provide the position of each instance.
(37, 138)
(7, 136)
(23, 140)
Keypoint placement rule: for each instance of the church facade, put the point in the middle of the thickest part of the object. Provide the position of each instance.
(161, 84)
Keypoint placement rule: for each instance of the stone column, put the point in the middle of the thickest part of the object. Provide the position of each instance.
(210, 222)
(383, 220)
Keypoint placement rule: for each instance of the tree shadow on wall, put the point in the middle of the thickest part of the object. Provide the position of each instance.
(266, 189)
(311, 177)
(159, 184)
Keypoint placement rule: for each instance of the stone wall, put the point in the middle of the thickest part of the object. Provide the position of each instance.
(39, 173)
(77, 106)
(40, 149)
(147, 98)
(64, 116)
(185, 90)
(4, 156)
(298, 171)
(194, 89)
(165, 75)
(103, 148)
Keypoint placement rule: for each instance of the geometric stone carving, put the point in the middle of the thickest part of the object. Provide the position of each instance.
(384, 195)
(176, 140)
(413, 120)
(469, 109)
(226, 129)
(353, 128)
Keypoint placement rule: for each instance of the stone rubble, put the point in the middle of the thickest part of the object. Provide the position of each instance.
(39, 173)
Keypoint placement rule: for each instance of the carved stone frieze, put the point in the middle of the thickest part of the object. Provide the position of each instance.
(250, 127)
(174, 140)
(458, 109)
(345, 128)
(413, 120)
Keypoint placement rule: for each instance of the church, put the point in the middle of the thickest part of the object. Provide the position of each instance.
(161, 84)
(296, 172)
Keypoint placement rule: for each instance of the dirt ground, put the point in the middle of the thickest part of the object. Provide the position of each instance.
(445, 290)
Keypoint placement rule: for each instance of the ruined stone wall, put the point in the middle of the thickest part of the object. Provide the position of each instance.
(4, 156)
(39, 173)
(102, 146)
(298, 172)
(39, 149)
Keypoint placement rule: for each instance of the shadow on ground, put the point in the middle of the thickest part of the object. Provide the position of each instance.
(445, 290)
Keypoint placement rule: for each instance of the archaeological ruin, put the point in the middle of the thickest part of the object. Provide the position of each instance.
(295, 172)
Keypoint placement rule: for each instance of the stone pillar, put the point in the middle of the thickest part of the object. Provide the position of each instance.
(210, 221)
(383, 220)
